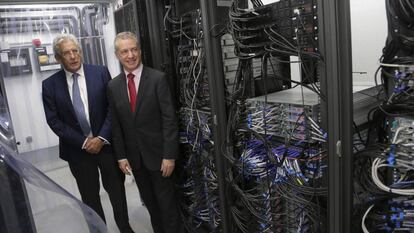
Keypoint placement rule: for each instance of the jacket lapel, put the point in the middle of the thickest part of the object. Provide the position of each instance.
(123, 93)
(89, 89)
(142, 87)
(63, 85)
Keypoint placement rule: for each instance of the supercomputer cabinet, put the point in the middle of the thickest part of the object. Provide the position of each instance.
(265, 104)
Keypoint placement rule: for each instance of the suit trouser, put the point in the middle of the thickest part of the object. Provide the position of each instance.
(87, 178)
(158, 194)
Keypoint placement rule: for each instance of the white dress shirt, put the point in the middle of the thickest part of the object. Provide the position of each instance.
(84, 96)
(82, 89)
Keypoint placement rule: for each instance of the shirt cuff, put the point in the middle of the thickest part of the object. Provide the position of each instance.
(104, 140)
(84, 143)
(121, 160)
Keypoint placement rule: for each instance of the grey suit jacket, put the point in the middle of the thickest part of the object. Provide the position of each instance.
(151, 134)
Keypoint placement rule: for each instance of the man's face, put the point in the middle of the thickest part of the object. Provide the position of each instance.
(128, 53)
(70, 56)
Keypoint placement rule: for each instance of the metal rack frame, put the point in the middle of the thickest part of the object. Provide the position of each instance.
(336, 82)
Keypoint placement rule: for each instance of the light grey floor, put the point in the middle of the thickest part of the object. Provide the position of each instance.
(48, 162)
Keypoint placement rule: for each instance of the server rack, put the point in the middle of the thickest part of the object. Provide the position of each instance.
(336, 112)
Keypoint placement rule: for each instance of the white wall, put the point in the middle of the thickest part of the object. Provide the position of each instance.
(369, 32)
(24, 99)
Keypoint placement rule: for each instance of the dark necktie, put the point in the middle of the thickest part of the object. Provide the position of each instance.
(132, 91)
(79, 107)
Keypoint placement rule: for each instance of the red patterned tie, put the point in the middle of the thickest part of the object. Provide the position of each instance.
(132, 91)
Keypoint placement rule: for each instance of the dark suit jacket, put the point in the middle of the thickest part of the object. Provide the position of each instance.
(151, 134)
(60, 114)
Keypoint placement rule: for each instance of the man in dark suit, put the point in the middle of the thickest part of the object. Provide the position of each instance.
(145, 132)
(77, 111)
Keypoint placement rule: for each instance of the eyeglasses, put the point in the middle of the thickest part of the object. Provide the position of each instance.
(68, 53)
(125, 52)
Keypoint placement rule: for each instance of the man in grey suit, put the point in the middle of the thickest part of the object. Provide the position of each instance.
(145, 132)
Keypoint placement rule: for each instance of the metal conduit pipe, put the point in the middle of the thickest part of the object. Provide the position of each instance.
(38, 23)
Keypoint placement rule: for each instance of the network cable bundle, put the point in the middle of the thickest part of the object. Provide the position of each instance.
(282, 29)
(231, 66)
(275, 185)
(384, 181)
(198, 185)
(294, 160)
(285, 114)
(199, 180)
(277, 155)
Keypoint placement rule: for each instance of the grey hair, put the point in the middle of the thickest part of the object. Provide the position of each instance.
(124, 36)
(59, 39)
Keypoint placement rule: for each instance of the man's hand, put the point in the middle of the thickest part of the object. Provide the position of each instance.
(167, 167)
(94, 145)
(124, 166)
